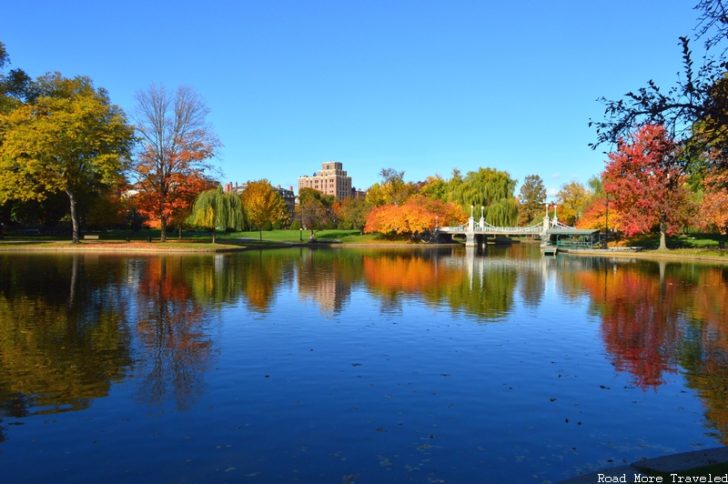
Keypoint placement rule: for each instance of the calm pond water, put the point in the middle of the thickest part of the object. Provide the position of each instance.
(302, 365)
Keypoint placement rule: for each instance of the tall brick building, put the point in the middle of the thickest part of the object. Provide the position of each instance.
(331, 180)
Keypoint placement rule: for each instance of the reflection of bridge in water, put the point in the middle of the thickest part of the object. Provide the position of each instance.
(551, 232)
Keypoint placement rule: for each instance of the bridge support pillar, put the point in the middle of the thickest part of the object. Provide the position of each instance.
(469, 239)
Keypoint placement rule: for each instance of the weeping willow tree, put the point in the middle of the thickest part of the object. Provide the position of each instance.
(214, 209)
(489, 188)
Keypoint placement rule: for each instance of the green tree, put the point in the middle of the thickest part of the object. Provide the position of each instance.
(596, 186)
(490, 188)
(434, 187)
(71, 141)
(315, 210)
(263, 205)
(214, 209)
(16, 86)
(392, 190)
(532, 198)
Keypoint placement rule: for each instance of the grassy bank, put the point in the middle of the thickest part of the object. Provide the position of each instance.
(687, 247)
(696, 241)
(679, 255)
(296, 236)
(191, 241)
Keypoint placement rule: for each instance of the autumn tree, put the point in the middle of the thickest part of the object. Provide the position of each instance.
(573, 199)
(315, 210)
(713, 210)
(599, 214)
(186, 188)
(263, 205)
(532, 199)
(391, 190)
(71, 139)
(434, 187)
(418, 215)
(351, 213)
(214, 209)
(176, 143)
(646, 181)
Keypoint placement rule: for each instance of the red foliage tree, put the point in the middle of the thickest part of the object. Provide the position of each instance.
(182, 192)
(646, 180)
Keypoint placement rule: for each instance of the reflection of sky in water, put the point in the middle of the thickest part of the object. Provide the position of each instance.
(328, 365)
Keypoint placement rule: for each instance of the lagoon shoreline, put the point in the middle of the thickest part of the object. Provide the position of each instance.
(185, 247)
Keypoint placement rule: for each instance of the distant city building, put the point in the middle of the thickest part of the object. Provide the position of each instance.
(231, 187)
(331, 180)
(286, 194)
(289, 197)
(358, 193)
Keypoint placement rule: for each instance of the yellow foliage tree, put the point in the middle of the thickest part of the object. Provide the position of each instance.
(263, 205)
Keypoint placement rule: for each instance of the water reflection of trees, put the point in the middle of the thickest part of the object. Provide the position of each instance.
(67, 325)
(482, 285)
(63, 332)
(71, 326)
(640, 323)
(262, 273)
(169, 323)
(658, 316)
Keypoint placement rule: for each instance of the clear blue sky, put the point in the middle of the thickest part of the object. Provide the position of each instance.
(419, 86)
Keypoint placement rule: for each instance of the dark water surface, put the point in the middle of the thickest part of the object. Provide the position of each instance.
(355, 366)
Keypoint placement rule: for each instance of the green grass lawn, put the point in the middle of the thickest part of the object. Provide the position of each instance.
(192, 236)
(696, 244)
(344, 236)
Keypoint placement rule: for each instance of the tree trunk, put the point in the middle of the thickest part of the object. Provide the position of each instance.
(74, 217)
(179, 231)
(213, 236)
(260, 231)
(663, 241)
(163, 229)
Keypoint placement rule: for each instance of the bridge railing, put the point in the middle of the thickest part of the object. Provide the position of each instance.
(461, 229)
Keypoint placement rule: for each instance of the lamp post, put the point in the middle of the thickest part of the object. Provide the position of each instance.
(300, 234)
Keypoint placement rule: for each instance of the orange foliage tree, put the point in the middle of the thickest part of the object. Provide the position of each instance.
(175, 143)
(713, 211)
(183, 190)
(598, 215)
(416, 216)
